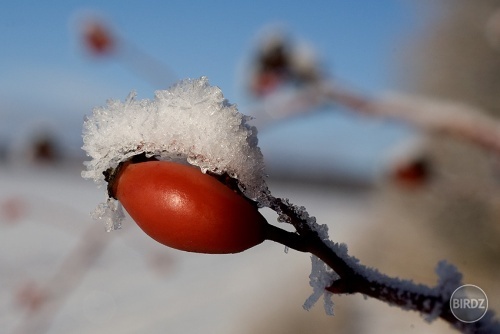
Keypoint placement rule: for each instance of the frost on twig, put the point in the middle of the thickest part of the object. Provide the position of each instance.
(346, 275)
(458, 120)
(320, 278)
(441, 116)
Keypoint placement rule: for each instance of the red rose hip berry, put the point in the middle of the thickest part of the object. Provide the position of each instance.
(180, 207)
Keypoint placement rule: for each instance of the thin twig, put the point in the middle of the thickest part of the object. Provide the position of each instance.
(459, 120)
(455, 119)
(356, 278)
(70, 273)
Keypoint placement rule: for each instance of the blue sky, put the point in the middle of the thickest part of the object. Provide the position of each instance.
(47, 78)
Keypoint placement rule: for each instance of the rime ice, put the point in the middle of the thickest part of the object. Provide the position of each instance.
(190, 121)
(321, 276)
(111, 213)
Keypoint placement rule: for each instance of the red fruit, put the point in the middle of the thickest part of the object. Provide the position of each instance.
(415, 174)
(266, 83)
(180, 207)
(98, 38)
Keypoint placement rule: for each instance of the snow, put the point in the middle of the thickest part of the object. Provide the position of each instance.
(190, 121)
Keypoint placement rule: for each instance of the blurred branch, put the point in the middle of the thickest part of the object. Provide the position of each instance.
(439, 116)
(100, 40)
(74, 267)
(354, 277)
(459, 120)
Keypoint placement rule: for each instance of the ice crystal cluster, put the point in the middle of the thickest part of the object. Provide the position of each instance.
(190, 121)
(321, 276)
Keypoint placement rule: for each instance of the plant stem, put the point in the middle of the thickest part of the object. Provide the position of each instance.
(356, 278)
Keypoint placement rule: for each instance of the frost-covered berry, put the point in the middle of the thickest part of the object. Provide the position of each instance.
(189, 123)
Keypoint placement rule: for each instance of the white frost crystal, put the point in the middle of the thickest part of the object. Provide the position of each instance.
(191, 121)
(111, 213)
(321, 276)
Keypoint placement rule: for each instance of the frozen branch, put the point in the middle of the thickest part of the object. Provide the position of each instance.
(440, 116)
(354, 277)
(435, 115)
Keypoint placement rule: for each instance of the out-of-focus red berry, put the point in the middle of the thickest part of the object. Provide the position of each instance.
(31, 296)
(12, 209)
(413, 175)
(98, 38)
(266, 83)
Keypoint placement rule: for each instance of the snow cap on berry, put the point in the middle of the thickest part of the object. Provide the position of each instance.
(191, 121)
